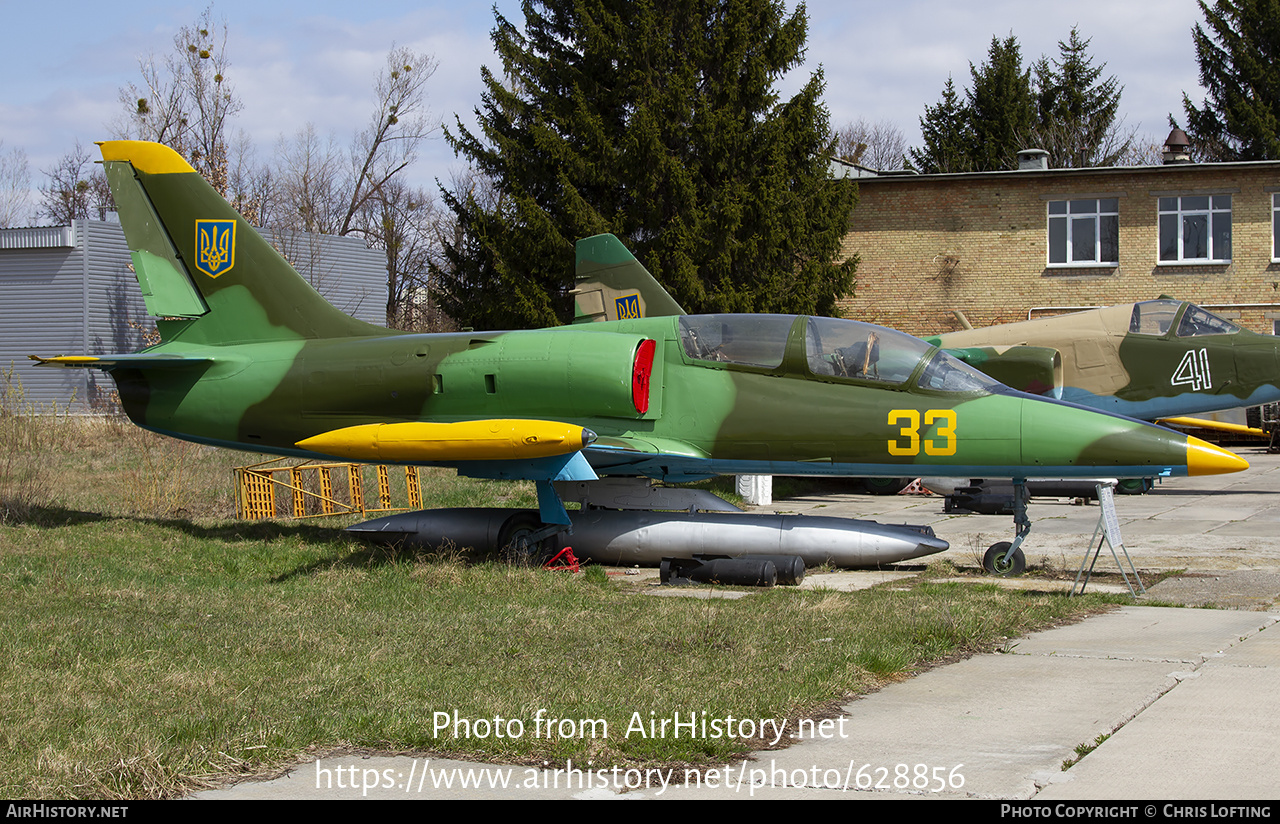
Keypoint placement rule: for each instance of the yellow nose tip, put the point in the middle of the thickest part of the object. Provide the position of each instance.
(1203, 458)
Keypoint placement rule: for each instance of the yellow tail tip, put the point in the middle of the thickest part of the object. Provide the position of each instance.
(1203, 458)
(151, 158)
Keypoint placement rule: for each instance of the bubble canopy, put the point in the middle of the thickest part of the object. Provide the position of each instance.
(1156, 317)
(834, 349)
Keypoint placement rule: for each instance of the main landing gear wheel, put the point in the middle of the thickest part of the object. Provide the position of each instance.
(1133, 486)
(514, 539)
(886, 486)
(1000, 561)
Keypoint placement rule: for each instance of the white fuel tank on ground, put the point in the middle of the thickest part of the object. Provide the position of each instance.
(626, 537)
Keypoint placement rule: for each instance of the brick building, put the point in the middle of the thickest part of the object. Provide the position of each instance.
(999, 247)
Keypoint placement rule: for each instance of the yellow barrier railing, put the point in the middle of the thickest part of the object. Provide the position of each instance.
(314, 491)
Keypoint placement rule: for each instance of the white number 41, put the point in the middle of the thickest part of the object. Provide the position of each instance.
(1193, 371)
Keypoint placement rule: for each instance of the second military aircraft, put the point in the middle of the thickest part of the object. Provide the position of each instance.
(1148, 360)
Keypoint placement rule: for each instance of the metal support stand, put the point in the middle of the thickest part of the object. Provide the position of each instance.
(1109, 528)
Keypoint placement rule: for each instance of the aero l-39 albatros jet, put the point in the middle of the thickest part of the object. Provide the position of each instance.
(253, 358)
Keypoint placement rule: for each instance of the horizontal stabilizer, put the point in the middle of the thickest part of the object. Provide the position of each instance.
(140, 360)
(417, 441)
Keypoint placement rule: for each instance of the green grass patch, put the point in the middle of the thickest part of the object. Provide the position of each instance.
(1084, 749)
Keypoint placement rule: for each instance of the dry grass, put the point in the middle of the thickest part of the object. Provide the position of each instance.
(28, 434)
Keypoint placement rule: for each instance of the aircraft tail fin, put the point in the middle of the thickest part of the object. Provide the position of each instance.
(612, 285)
(204, 271)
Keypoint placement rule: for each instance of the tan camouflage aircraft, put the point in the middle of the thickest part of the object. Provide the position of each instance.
(1149, 360)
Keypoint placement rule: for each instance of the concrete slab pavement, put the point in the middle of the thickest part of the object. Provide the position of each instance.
(1214, 522)
(1007, 722)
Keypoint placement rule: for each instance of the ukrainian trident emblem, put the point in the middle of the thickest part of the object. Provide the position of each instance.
(628, 306)
(215, 246)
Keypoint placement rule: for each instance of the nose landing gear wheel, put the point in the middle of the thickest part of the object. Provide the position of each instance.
(1000, 561)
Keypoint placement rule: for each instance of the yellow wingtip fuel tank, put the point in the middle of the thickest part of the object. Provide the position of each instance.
(484, 440)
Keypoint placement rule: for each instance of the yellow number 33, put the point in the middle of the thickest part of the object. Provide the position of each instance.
(908, 441)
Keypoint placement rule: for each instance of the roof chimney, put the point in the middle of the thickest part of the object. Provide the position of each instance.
(1033, 160)
(1176, 148)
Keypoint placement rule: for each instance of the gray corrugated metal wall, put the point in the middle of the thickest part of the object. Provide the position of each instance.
(114, 314)
(68, 290)
(42, 310)
(342, 269)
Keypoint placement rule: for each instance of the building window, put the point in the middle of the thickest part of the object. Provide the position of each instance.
(1084, 232)
(1195, 228)
(1275, 227)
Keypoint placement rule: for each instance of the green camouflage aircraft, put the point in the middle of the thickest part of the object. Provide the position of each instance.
(1150, 360)
(253, 358)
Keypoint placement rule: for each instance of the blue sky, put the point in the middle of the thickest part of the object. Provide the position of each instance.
(295, 63)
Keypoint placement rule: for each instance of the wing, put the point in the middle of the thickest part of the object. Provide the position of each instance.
(662, 458)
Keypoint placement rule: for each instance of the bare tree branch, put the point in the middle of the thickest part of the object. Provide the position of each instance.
(399, 124)
(880, 145)
(15, 188)
(186, 99)
(311, 195)
(76, 190)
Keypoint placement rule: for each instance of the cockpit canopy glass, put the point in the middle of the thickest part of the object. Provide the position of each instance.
(1197, 321)
(1153, 317)
(946, 373)
(849, 349)
(833, 348)
(746, 340)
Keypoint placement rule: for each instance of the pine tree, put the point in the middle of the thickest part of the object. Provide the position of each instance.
(985, 132)
(1060, 106)
(1076, 114)
(1001, 109)
(657, 122)
(1239, 59)
(947, 142)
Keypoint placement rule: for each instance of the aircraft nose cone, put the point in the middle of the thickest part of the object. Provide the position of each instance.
(1062, 434)
(1203, 458)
